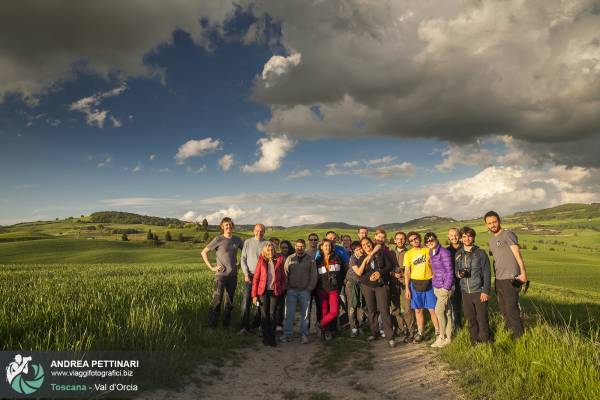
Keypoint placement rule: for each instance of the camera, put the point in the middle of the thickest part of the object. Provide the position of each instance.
(464, 273)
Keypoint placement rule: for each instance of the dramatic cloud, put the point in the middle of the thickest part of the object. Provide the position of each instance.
(381, 168)
(226, 162)
(197, 148)
(45, 43)
(272, 151)
(453, 70)
(468, 154)
(90, 107)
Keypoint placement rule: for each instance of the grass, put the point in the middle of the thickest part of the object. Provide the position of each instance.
(557, 358)
(152, 308)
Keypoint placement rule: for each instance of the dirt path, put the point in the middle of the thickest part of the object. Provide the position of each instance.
(297, 371)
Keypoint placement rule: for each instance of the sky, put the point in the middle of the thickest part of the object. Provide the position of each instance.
(294, 112)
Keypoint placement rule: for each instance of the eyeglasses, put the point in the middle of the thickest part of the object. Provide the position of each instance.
(430, 241)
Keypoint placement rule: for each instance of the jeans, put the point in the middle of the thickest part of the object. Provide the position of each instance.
(443, 310)
(293, 297)
(246, 310)
(224, 287)
(508, 302)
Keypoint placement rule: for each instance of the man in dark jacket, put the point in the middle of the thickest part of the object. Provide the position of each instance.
(472, 266)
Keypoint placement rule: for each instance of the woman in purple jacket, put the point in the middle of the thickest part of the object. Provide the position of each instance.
(443, 285)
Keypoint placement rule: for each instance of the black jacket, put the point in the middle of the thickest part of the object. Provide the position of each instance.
(383, 264)
(478, 265)
(331, 279)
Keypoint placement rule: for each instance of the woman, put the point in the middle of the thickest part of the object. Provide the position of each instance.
(443, 285)
(329, 270)
(373, 273)
(268, 286)
(285, 249)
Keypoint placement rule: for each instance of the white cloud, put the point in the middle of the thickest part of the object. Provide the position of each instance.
(152, 157)
(117, 123)
(89, 106)
(277, 66)
(379, 167)
(272, 151)
(107, 160)
(469, 154)
(137, 168)
(299, 174)
(226, 162)
(197, 170)
(197, 148)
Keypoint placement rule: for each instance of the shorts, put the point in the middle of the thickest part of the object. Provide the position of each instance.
(425, 299)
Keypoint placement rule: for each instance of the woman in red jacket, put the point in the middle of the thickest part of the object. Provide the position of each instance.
(268, 286)
(329, 270)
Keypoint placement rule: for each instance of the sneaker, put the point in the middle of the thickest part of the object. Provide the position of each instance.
(446, 342)
(371, 338)
(284, 339)
(392, 343)
(438, 342)
(354, 332)
(243, 331)
(279, 329)
(381, 333)
(304, 339)
(328, 336)
(418, 338)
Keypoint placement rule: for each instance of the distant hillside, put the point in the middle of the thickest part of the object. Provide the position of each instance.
(117, 217)
(564, 211)
(418, 222)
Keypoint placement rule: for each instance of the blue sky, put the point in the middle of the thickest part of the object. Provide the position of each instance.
(308, 144)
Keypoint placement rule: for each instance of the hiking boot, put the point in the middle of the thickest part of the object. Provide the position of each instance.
(392, 343)
(354, 333)
(381, 333)
(328, 336)
(304, 339)
(279, 329)
(418, 338)
(371, 338)
(284, 339)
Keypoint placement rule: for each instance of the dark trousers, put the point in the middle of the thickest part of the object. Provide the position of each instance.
(456, 301)
(281, 313)
(315, 297)
(476, 314)
(377, 300)
(508, 302)
(403, 316)
(355, 311)
(269, 306)
(246, 310)
(344, 318)
(223, 293)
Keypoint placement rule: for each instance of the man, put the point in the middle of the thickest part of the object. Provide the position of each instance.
(226, 246)
(418, 281)
(250, 253)
(509, 270)
(363, 232)
(380, 238)
(301, 279)
(404, 316)
(455, 299)
(313, 245)
(472, 265)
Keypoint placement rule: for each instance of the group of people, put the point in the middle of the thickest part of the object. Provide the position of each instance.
(365, 283)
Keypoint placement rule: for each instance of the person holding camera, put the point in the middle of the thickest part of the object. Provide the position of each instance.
(373, 273)
(417, 278)
(509, 271)
(472, 266)
(329, 269)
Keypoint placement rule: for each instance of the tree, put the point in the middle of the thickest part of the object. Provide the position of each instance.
(155, 237)
(124, 237)
(205, 225)
(149, 236)
(168, 237)
(180, 237)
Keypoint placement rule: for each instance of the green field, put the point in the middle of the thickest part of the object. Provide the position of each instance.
(68, 287)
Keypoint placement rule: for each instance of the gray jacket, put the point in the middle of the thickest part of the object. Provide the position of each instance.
(478, 263)
(300, 272)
